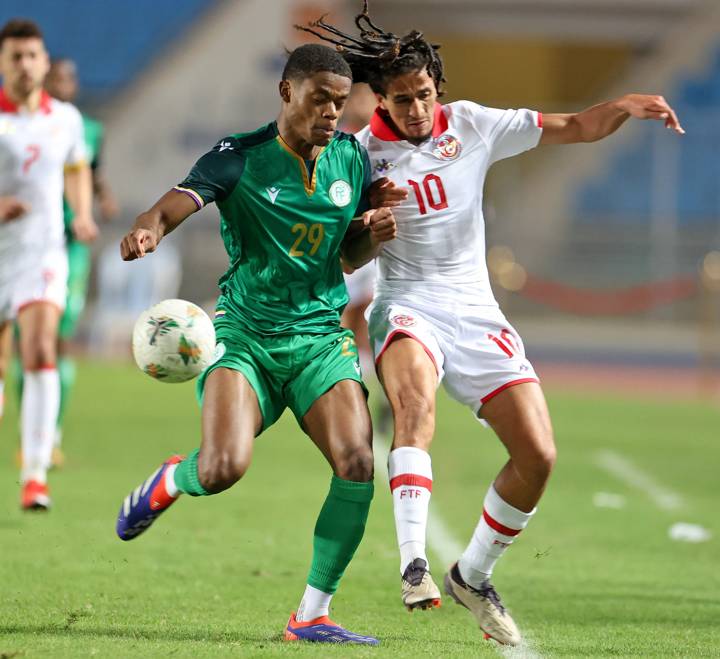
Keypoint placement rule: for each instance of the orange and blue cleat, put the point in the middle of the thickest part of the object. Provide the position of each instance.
(323, 630)
(145, 503)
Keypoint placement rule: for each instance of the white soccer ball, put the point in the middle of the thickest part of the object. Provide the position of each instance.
(173, 341)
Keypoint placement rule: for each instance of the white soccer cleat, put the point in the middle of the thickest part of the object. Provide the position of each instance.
(418, 588)
(484, 603)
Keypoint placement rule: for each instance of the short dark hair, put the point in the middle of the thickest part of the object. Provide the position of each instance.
(20, 28)
(312, 58)
(376, 56)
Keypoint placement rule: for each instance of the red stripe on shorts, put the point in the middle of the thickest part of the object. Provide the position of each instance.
(410, 479)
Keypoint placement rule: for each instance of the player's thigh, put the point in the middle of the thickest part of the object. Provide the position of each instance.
(231, 417)
(339, 424)
(329, 400)
(519, 416)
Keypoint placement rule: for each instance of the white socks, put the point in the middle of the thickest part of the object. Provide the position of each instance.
(410, 473)
(40, 405)
(495, 532)
(315, 603)
(170, 486)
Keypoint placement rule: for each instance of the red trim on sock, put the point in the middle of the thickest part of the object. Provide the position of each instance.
(496, 526)
(410, 479)
(43, 367)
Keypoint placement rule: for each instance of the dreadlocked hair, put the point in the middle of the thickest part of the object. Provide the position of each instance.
(376, 56)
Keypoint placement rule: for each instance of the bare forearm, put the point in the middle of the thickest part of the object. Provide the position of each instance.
(360, 249)
(78, 190)
(601, 120)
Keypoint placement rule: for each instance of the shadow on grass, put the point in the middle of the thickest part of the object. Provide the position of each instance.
(199, 636)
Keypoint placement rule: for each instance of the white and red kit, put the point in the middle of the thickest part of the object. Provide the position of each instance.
(432, 279)
(35, 149)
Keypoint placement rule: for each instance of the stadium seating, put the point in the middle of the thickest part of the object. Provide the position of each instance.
(112, 42)
(632, 186)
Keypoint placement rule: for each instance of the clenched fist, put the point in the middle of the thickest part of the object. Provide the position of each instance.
(381, 223)
(137, 243)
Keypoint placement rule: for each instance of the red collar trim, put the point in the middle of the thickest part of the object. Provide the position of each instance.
(381, 128)
(6, 105)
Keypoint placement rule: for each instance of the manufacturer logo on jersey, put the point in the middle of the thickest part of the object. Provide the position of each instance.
(272, 193)
(403, 321)
(225, 146)
(382, 166)
(340, 193)
(447, 147)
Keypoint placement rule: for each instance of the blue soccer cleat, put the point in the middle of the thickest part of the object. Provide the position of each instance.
(145, 503)
(323, 630)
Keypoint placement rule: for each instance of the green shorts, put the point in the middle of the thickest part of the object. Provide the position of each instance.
(286, 371)
(77, 285)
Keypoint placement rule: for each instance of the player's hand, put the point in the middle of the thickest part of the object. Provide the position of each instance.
(138, 243)
(11, 208)
(647, 106)
(381, 223)
(84, 229)
(384, 193)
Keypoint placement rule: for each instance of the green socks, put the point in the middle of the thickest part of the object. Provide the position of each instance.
(186, 476)
(338, 531)
(67, 371)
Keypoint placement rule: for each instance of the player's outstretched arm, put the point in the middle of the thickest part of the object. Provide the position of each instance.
(78, 191)
(150, 227)
(365, 237)
(602, 120)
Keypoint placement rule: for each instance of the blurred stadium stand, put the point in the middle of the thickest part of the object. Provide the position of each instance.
(111, 42)
(640, 207)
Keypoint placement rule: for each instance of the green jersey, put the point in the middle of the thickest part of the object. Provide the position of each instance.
(282, 227)
(93, 141)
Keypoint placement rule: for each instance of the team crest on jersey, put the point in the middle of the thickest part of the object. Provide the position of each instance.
(340, 193)
(403, 321)
(382, 166)
(447, 147)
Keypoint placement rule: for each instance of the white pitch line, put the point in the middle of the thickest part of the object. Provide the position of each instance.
(445, 546)
(625, 471)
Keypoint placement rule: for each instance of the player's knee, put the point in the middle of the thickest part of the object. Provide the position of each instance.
(356, 466)
(411, 404)
(221, 470)
(39, 351)
(540, 460)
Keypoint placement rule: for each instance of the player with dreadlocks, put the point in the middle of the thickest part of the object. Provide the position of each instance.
(434, 317)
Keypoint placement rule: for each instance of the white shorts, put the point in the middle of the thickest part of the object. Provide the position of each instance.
(476, 352)
(47, 282)
(360, 284)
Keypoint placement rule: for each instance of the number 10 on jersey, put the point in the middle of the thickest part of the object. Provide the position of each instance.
(432, 190)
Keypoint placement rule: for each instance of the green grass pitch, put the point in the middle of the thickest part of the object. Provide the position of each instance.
(218, 577)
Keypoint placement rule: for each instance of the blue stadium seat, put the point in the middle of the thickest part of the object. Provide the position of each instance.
(111, 42)
(624, 190)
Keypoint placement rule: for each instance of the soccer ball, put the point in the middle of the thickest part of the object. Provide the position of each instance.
(173, 341)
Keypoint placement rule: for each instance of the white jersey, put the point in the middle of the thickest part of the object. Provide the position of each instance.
(34, 150)
(439, 251)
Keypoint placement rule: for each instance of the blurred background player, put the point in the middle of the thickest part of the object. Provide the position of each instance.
(62, 83)
(280, 343)
(42, 153)
(434, 317)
